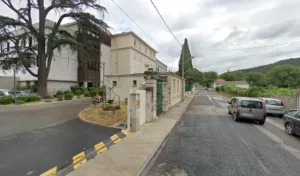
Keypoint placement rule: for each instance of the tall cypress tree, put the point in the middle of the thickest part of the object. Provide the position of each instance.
(187, 58)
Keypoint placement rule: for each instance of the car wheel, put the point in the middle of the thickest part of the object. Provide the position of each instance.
(235, 118)
(289, 128)
(262, 122)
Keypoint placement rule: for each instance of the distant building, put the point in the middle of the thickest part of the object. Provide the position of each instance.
(240, 84)
(160, 66)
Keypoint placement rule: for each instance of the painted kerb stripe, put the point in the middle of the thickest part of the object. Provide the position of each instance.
(115, 138)
(50, 172)
(78, 160)
(100, 147)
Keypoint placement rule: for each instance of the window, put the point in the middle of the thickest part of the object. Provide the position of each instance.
(174, 86)
(251, 104)
(134, 42)
(134, 83)
(178, 86)
(7, 47)
(151, 53)
(114, 83)
(292, 113)
(274, 102)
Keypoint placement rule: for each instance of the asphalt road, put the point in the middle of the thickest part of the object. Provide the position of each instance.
(206, 141)
(35, 139)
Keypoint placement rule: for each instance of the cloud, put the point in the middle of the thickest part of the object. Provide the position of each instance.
(211, 25)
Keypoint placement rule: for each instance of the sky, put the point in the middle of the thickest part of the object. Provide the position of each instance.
(222, 34)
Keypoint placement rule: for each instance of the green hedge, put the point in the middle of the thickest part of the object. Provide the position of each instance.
(60, 97)
(87, 93)
(58, 93)
(4, 100)
(33, 98)
(69, 96)
(78, 92)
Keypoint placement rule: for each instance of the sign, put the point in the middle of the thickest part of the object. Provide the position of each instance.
(238, 88)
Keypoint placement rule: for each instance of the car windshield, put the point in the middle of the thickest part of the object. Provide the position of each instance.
(292, 113)
(274, 102)
(251, 104)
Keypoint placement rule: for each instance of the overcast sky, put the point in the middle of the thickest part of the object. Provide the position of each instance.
(216, 30)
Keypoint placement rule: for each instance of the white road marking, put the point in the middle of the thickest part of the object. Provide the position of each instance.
(277, 139)
(248, 147)
(272, 122)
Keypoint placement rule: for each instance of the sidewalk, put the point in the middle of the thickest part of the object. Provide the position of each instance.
(131, 155)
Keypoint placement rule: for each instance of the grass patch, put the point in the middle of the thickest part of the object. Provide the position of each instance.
(95, 114)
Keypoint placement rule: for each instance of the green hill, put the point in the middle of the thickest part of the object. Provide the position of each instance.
(265, 68)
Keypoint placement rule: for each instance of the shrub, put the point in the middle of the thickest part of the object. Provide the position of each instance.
(78, 92)
(87, 94)
(22, 98)
(93, 93)
(111, 108)
(6, 100)
(83, 89)
(117, 107)
(67, 91)
(54, 95)
(59, 93)
(19, 102)
(47, 97)
(74, 88)
(217, 89)
(33, 98)
(69, 96)
(60, 97)
(222, 88)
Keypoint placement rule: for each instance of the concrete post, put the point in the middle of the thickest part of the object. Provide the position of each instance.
(85, 84)
(133, 123)
(151, 84)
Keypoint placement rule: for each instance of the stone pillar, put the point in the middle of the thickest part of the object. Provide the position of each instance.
(151, 85)
(133, 123)
(85, 84)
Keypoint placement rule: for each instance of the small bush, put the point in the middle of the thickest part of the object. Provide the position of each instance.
(74, 88)
(19, 102)
(69, 96)
(47, 97)
(59, 93)
(48, 100)
(67, 91)
(93, 93)
(33, 98)
(78, 92)
(83, 89)
(60, 97)
(54, 95)
(111, 108)
(87, 93)
(217, 89)
(6, 100)
(22, 98)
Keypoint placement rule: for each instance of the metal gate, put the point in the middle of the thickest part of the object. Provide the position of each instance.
(159, 95)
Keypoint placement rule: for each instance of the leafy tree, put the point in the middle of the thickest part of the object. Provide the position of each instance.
(228, 76)
(256, 79)
(49, 37)
(209, 78)
(193, 76)
(239, 76)
(284, 76)
(187, 58)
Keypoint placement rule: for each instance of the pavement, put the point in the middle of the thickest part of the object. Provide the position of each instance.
(206, 141)
(133, 153)
(36, 138)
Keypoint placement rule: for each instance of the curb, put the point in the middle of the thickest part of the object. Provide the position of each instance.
(84, 156)
(161, 144)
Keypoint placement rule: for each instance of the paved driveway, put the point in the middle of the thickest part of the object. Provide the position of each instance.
(37, 138)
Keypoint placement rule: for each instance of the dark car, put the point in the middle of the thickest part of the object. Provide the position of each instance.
(291, 120)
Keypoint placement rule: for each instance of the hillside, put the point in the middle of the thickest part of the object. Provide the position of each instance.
(265, 68)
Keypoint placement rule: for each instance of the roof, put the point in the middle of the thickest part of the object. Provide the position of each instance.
(135, 35)
(231, 82)
(219, 81)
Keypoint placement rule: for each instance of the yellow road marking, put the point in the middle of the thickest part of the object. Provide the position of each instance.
(118, 140)
(114, 137)
(79, 159)
(50, 172)
(100, 147)
(126, 132)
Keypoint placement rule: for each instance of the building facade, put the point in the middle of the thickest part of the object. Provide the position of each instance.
(160, 66)
(130, 54)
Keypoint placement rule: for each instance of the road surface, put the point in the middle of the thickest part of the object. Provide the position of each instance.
(34, 139)
(206, 141)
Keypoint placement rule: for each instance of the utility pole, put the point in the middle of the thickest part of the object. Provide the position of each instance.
(182, 73)
(103, 73)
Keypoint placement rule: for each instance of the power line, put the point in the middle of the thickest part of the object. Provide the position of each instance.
(165, 22)
(265, 46)
(134, 22)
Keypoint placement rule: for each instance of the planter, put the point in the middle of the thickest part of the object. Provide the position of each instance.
(112, 112)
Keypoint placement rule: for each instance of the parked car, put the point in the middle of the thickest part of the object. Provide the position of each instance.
(247, 108)
(274, 106)
(291, 121)
(6, 92)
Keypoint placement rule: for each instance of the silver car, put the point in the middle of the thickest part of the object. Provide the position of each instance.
(247, 108)
(274, 106)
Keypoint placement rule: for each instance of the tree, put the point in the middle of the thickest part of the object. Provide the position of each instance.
(193, 76)
(255, 79)
(187, 58)
(233, 76)
(47, 42)
(284, 76)
(209, 78)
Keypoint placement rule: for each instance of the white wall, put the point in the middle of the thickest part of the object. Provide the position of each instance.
(106, 58)
(139, 61)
